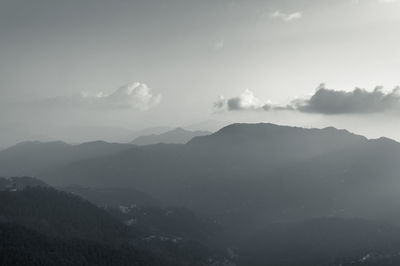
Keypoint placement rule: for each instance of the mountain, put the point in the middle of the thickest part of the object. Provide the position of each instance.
(53, 227)
(323, 241)
(40, 155)
(262, 187)
(171, 222)
(60, 214)
(149, 131)
(208, 125)
(265, 173)
(113, 197)
(89, 133)
(247, 175)
(175, 136)
(20, 183)
(43, 226)
(81, 134)
(22, 246)
(235, 152)
(12, 135)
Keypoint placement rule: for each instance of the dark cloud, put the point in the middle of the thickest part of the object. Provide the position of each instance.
(358, 101)
(324, 101)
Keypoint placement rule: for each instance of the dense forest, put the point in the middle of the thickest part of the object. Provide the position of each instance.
(53, 227)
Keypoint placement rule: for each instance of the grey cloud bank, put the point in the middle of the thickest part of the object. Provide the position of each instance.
(358, 101)
(323, 101)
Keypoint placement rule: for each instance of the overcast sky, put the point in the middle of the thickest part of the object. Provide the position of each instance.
(137, 64)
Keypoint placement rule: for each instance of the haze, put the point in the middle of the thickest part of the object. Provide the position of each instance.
(62, 63)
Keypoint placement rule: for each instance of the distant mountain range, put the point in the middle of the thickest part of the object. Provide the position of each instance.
(244, 175)
(11, 136)
(35, 155)
(175, 136)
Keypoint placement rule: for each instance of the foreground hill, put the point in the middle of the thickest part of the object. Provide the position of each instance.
(20, 183)
(175, 136)
(60, 214)
(323, 241)
(25, 247)
(42, 226)
(51, 227)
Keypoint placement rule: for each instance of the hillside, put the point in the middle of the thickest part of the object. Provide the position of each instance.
(52, 227)
(113, 197)
(175, 136)
(60, 214)
(323, 241)
(22, 246)
(246, 175)
(287, 172)
(37, 155)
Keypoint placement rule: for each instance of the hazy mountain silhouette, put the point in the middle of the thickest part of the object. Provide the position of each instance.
(113, 197)
(175, 136)
(249, 174)
(89, 133)
(207, 125)
(12, 136)
(39, 155)
(252, 179)
(236, 151)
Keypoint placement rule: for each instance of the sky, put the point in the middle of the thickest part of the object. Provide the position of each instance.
(136, 64)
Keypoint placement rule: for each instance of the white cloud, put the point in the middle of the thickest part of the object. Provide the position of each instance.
(245, 101)
(130, 96)
(133, 95)
(286, 17)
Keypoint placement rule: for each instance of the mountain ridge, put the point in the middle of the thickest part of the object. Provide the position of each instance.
(176, 136)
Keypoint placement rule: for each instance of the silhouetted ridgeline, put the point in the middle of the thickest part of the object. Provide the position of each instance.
(27, 158)
(281, 170)
(247, 185)
(175, 136)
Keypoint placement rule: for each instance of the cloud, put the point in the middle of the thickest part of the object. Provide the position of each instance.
(130, 96)
(358, 101)
(323, 101)
(286, 17)
(245, 101)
